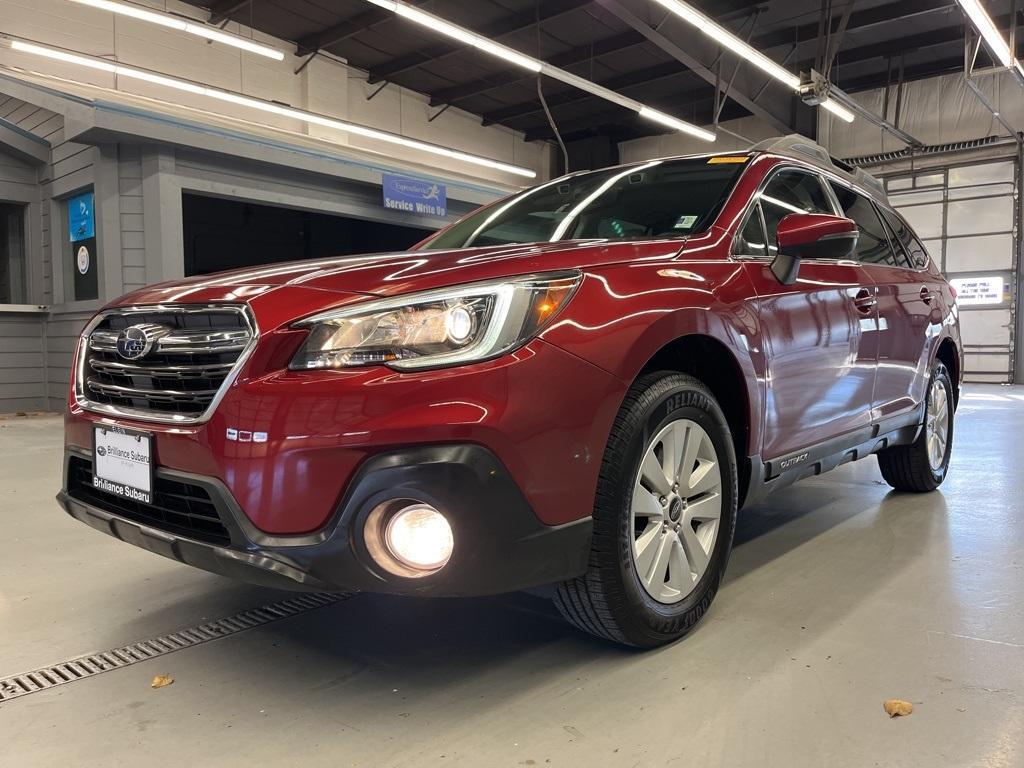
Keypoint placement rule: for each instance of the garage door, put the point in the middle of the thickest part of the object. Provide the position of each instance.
(967, 217)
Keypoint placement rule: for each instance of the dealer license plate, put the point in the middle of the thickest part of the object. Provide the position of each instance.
(122, 463)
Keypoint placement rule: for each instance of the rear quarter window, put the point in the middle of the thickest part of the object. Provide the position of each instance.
(905, 236)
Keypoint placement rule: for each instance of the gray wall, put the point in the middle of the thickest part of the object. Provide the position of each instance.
(22, 363)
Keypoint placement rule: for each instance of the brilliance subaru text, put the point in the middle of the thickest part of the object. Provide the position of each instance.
(576, 386)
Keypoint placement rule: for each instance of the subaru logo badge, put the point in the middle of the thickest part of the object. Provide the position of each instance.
(138, 340)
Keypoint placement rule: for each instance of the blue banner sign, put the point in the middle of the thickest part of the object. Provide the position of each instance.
(415, 195)
(81, 217)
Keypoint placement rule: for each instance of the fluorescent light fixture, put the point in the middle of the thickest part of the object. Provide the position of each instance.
(264, 106)
(675, 124)
(987, 29)
(838, 110)
(183, 25)
(465, 36)
(727, 39)
(472, 39)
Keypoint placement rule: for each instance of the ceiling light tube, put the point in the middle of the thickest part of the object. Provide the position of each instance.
(523, 61)
(727, 39)
(264, 106)
(465, 36)
(838, 110)
(184, 25)
(987, 29)
(675, 124)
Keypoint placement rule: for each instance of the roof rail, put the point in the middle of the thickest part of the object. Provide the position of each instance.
(808, 149)
(869, 181)
(794, 142)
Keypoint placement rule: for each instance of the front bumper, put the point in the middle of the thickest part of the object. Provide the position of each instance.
(500, 545)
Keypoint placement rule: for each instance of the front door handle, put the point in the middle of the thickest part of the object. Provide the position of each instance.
(865, 300)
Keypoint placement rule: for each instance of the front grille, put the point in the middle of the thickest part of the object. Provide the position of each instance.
(180, 508)
(193, 351)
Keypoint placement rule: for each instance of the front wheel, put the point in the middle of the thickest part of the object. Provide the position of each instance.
(922, 466)
(664, 516)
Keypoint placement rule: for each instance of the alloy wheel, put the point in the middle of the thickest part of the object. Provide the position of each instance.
(937, 425)
(676, 510)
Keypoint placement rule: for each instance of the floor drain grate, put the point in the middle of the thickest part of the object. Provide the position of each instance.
(144, 650)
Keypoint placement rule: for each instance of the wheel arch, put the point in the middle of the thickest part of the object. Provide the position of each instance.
(948, 354)
(709, 360)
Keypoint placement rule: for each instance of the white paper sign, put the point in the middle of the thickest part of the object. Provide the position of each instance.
(973, 291)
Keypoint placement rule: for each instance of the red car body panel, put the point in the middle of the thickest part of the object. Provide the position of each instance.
(805, 359)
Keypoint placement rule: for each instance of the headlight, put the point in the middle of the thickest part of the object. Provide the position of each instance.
(444, 327)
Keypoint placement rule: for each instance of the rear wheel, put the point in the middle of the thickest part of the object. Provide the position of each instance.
(922, 466)
(663, 519)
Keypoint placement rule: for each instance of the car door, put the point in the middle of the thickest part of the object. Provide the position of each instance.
(820, 368)
(925, 295)
(905, 306)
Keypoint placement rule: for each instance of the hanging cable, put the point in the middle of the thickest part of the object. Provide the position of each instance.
(551, 122)
(540, 94)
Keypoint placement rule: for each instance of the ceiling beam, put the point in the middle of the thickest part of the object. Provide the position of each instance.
(509, 25)
(891, 13)
(325, 38)
(863, 53)
(775, 112)
(222, 9)
(908, 44)
(599, 122)
(916, 72)
(599, 48)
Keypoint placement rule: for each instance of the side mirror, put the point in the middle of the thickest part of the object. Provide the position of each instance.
(811, 236)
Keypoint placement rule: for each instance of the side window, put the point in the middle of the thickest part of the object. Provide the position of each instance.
(873, 243)
(751, 240)
(911, 245)
(791, 192)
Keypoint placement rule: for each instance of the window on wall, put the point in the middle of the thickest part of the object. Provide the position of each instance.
(12, 254)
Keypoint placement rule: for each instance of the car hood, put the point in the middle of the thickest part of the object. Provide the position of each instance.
(391, 274)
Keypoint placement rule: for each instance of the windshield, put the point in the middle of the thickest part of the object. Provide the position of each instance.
(659, 199)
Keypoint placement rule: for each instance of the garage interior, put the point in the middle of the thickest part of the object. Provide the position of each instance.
(840, 593)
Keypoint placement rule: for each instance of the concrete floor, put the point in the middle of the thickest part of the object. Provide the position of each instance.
(840, 595)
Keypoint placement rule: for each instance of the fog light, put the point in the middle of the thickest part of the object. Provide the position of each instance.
(420, 537)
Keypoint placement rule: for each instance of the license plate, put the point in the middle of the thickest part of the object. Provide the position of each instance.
(122, 463)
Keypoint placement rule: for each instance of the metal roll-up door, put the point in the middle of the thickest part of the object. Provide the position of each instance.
(967, 216)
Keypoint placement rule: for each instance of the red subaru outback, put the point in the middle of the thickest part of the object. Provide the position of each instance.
(579, 385)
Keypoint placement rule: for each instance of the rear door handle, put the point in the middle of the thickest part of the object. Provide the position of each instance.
(927, 296)
(865, 300)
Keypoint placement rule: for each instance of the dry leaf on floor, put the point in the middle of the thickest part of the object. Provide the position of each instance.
(898, 707)
(161, 680)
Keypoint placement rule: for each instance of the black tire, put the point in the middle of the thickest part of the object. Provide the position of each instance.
(907, 467)
(608, 600)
